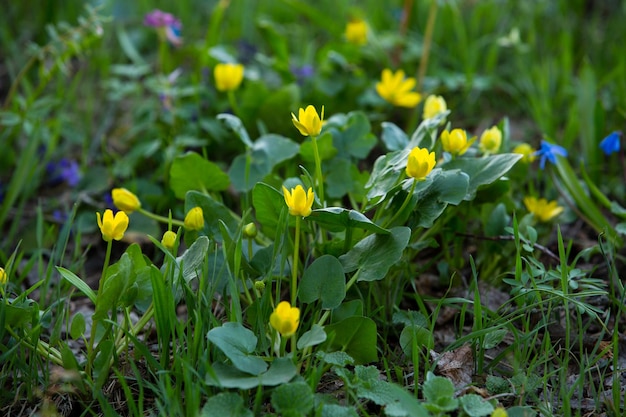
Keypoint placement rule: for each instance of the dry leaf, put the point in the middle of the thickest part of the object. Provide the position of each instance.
(456, 365)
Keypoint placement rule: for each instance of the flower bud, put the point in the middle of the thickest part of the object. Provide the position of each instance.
(169, 239)
(250, 231)
(194, 220)
(125, 200)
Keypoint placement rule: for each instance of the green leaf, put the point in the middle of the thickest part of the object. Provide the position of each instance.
(274, 111)
(193, 259)
(234, 123)
(386, 171)
(343, 218)
(356, 336)
(475, 405)
(323, 280)
(483, 171)
(343, 177)
(9, 118)
(267, 152)
(295, 398)
(192, 172)
(352, 137)
(69, 360)
(446, 187)
(375, 254)
(119, 279)
(280, 372)
(521, 411)
(334, 410)
(393, 137)
(493, 338)
(397, 401)
(409, 318)
(419, 335)
(268, 204)
(312, 337)
(225, 404)
(425, 135)
(238, 344)
(439, 393)
(102, 362)
(19, 312)
(347, 309)
(77, 282)
(338, 358)
(78, 326)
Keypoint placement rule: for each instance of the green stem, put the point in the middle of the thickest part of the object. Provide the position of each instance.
(318, 170)
(233, 103)
(139, 326)
(94, 323)
(41, 347)
(404, 204)
(296, 256)
(161, 219)
(428, 40)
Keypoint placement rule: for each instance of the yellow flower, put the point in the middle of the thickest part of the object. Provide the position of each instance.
(356, 32)
(527, 151)
(433, 106)
(420, 163)
(499, 412)
(285, 318)
(169, 239)
(308, 122)
(228, 77)
(194, 220)
(396, 89)
(456, 141)
(490, 140)
(112, 227)
(3, 276)
(125, 200)
(298, 202)
(542, 209)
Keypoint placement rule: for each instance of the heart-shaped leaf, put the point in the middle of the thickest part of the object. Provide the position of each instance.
(238, 344)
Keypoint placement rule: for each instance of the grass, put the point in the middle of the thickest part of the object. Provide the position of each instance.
(397, 280)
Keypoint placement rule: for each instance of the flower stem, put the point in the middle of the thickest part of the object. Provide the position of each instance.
(233, 102)
(404, 204)
(294, 269)
(94, 322)
(161, 219)
(318, 170)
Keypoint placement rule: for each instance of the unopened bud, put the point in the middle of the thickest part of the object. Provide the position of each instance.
(259, 285)
(250, 231)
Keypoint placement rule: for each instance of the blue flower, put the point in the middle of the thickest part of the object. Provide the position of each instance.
(65, 170)
(302, 73)
(611, 143)
(549, 151)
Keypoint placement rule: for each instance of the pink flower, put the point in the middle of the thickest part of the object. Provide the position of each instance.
(158, 18)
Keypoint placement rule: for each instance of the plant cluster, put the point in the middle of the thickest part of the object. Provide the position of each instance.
(254, 230)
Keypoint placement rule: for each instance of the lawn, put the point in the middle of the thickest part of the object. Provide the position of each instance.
(290, 208)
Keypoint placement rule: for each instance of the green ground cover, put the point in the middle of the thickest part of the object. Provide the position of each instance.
(238, 208)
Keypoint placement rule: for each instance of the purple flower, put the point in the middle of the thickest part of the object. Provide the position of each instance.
(549, 151)
(159, 19)
(302, 73)
(63, 171)
(611, 143)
